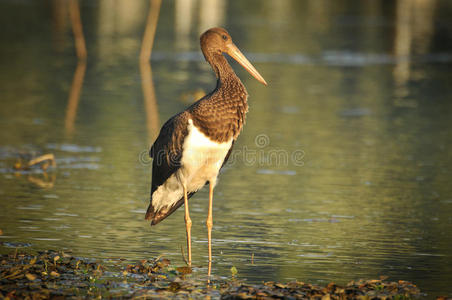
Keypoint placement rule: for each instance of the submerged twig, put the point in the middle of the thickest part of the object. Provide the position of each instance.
(47, 183)
(183, 255)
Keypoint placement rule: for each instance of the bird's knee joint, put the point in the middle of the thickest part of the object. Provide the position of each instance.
(209, 223)
(188, 222)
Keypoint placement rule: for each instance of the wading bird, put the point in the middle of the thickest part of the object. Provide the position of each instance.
(194, 144)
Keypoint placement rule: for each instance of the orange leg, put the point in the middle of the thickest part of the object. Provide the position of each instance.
(209, 271)
(209, 223)
(187, 225)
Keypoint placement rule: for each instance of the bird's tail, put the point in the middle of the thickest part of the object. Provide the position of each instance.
(156, 216)
(150, 213)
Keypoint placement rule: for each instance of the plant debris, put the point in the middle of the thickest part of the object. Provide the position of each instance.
(370, 289)
(53, 274)
(43, 161)
(36, 168)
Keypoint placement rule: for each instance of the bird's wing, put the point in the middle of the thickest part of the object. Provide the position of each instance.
(166, 153)
(167, 149)
(158, 216)
(228, 154)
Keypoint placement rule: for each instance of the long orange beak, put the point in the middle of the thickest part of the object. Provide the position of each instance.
(235, 53)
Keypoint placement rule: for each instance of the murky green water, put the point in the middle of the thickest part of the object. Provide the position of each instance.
(342, 172)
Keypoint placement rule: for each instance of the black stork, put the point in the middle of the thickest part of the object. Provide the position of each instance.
(194, 144)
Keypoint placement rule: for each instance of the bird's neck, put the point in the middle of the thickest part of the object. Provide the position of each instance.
(221, 114)
(226, 77)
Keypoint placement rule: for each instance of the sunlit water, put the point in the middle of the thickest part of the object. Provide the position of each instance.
(342, 171)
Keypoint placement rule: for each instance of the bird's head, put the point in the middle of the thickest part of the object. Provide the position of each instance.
(217, 40)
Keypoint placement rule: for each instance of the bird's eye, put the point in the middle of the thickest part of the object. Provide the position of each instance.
(224, 37)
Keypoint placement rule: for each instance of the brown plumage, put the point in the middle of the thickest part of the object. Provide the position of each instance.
(193, 145)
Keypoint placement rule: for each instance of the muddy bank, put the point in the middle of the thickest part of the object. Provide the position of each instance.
(56, 274)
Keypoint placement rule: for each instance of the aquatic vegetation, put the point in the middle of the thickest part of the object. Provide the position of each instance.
(49, 274)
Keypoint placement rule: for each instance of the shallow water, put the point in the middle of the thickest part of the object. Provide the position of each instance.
(342, 171)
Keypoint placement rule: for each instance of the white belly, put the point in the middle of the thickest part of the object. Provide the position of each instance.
(201, 161)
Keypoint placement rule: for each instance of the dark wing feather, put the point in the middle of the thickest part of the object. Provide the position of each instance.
(228, 154)
(165, 212)
(166, 153)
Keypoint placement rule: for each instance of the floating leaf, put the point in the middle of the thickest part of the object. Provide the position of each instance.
(234, 271)
(326, 297)
(54, 274)
(184, 270)
(30, 277)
